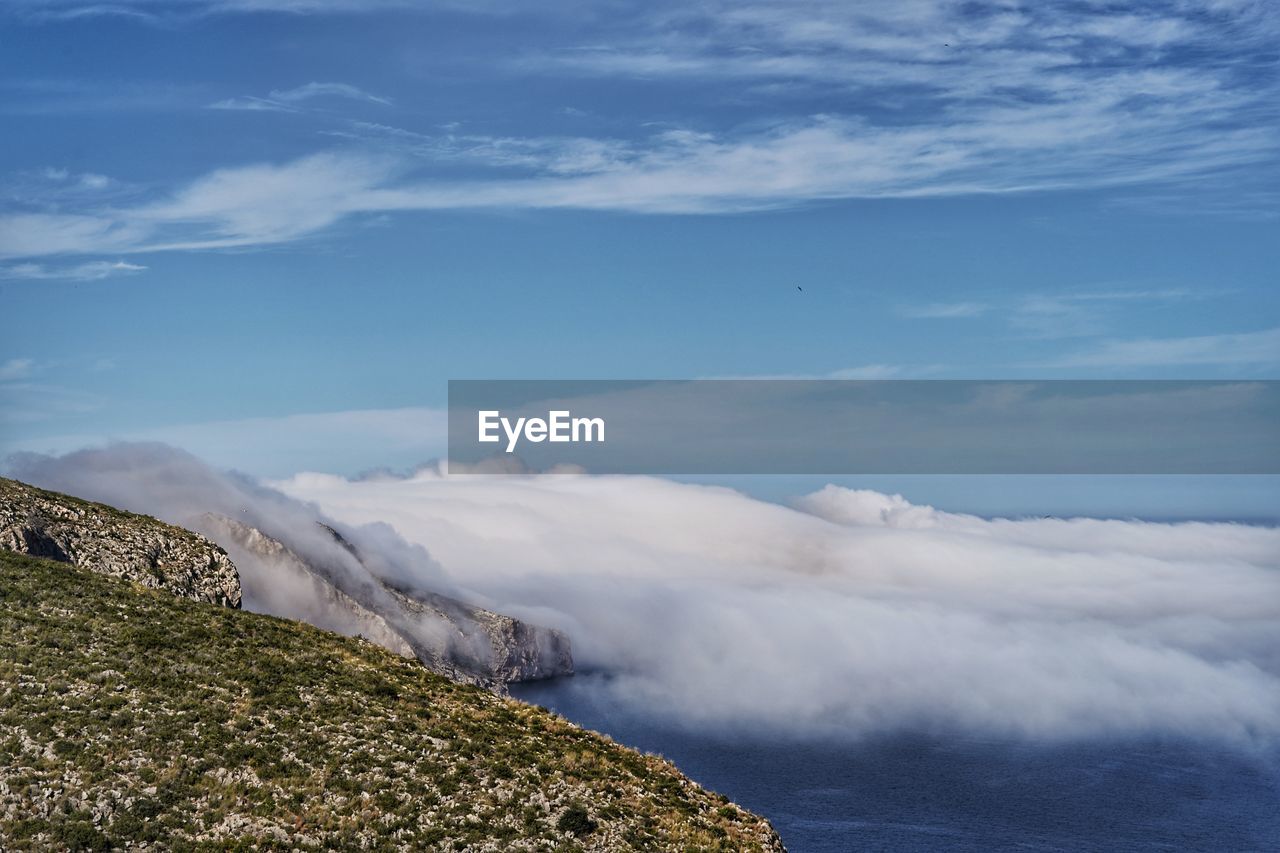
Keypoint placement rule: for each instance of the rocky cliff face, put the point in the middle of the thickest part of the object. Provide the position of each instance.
(464, 642)
(112, 542)
(282, 584)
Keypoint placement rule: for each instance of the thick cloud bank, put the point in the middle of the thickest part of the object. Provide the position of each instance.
(857, 612)
(849, 614)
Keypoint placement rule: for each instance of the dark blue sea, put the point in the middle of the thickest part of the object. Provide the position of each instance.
(928, 793)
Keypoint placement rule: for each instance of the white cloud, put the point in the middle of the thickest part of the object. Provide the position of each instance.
(290, 100)
(946, 310)
(16, 368)
(863, 371)
(675, 172)
(249, 103)
(1062, 314)
(91, 271)
(863, 613)
(35, 234)
(937, 99)
(552, 155)
(86, 180)
(1104, 96)
(162, 10)
(269, 204)
(26, 403)
(955, 47)
(94, 182)
(877, 371)
(313, 89)
(1256, 349)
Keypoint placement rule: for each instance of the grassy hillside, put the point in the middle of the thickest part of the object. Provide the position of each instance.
(131, 717)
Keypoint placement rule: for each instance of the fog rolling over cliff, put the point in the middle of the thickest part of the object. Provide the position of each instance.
(364, 580)
(453, 638)
(849, 614)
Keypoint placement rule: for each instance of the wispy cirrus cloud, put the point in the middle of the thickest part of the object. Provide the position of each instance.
(681, 172)
(294, 100)
(250, 103)
(1243, 349)
(945, 310)
(1065, 314)
(26, 403)
(86, 180)
(91, 271)
(247, 206)
(16, 368)
(555, 155)
(881, 100)
(863, 371)
(1012, 52)
(157, 11)
(1089, 313)
(1016, 95)
(313, 89)
(933, 60)
(60, 188)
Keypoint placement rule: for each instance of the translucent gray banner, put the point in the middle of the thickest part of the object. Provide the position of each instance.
(830, 427)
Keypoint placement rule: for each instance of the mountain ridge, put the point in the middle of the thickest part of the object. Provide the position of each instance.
(115, 542)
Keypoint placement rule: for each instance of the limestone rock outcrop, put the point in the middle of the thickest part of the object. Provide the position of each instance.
(332, 587)
(112, 542)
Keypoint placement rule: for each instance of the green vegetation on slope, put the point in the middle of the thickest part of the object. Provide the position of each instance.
(131, 717)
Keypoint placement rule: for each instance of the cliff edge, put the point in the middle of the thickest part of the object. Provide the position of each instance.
(113, 542)
(466, 643)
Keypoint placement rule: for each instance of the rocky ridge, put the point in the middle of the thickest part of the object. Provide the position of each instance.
(113, 542)
(461, 641)
(464, 642)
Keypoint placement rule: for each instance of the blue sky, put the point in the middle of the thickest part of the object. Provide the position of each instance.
(225, 223)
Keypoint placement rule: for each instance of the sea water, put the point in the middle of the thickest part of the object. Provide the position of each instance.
(916, 792)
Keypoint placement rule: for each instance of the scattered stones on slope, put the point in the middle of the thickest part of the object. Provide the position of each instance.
(135, 720)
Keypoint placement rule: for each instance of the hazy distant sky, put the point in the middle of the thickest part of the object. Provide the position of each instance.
(304, 216)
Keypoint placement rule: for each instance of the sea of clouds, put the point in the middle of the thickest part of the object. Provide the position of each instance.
(846, 614)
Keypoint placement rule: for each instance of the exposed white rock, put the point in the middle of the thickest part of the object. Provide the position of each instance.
(459, 640)
(280, 583)
(112, 542)
(325, 582)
